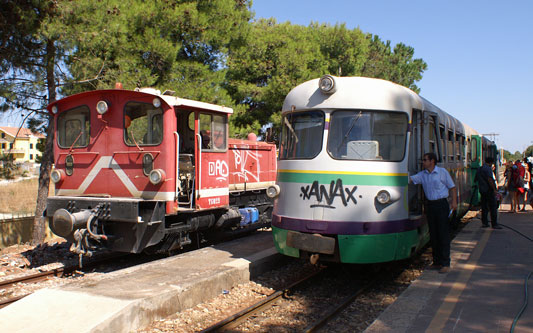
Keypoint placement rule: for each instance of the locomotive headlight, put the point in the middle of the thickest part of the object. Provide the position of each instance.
(157, 176)
(272, 191)
(101, 107)
(57, 175)
(383, 197)
(156, 102)
(327, 84)
(54, 109)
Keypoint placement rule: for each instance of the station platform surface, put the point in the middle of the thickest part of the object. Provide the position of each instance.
(131, 298)
(483, 292)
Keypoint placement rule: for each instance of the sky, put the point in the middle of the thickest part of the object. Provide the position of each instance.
(479, 52)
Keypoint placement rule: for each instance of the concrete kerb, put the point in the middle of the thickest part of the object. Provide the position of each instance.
(93, 305)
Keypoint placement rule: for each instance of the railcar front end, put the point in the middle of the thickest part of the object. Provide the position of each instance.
(343, 173)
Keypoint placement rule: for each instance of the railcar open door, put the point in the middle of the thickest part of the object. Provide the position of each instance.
(424, 139)
(414, 164)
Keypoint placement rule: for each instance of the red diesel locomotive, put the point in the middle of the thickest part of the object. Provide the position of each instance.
(140, 170)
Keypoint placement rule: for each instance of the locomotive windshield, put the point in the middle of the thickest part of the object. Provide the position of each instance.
(367, 135)
(301, 136)
(143, 124)
(73, 127)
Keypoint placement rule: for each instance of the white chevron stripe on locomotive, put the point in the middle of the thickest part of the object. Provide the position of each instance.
(108, 162)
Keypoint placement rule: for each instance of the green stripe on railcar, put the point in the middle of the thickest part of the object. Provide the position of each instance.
(361, 249)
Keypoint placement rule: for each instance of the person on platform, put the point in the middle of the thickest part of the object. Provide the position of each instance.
(527, 180)
(437, 185)
(488, 190)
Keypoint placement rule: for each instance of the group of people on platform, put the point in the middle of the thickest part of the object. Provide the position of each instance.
(438, 186)
(518, 184)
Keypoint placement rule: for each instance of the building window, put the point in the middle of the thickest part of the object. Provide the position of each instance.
(31, 156)
(31, 145)
(3, 146)
(3, 135)
(10, 146)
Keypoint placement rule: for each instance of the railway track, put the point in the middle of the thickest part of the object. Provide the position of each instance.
(240, 317)
(56, 272)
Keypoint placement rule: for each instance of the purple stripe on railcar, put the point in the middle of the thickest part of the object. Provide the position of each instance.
(346, 227)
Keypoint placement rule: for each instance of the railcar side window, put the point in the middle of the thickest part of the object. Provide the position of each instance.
(301, 136)
(143, 124)
(73, 127)
(367, 135)
(213, 131)
(450, 145)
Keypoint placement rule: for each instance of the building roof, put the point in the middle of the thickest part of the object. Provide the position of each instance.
(24, 132)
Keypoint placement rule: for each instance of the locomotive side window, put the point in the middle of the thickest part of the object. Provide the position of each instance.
(365, 135)
(73, 127)
(301, 136)
(143, 124)
(213, 131)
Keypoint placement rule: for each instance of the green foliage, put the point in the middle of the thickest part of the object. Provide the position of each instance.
(8, 168)
(528, 151)
(278, 57)
(516, 156)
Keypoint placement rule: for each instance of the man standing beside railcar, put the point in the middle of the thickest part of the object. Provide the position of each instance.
(438, 185)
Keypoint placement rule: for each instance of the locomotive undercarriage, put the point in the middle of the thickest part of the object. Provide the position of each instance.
(136, 225)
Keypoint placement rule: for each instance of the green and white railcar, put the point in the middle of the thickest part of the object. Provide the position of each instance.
(347, 147)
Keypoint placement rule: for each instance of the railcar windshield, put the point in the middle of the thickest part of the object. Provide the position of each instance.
(73, 127)
(301, 136)
(143, 124)
(367, 135)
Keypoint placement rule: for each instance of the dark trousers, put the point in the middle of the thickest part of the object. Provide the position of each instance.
(489, 204)
(439, 230)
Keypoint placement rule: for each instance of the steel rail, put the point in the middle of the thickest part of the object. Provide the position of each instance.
(241, 316)
(338, 308)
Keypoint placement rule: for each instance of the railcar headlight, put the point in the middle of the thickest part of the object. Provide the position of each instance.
(383, 197)
(156, 102)
(272, 191)
(54, 109)
(101, 107)
(157, 176)
(57, 175)
(327, 84)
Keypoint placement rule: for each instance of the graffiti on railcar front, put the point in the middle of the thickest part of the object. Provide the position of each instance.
(326, 196)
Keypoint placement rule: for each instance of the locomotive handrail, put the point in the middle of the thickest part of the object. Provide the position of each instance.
(80, 153)
(156, 152)
(199, 165)
(177, 136)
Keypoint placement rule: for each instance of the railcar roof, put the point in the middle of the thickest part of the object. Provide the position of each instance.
(365, 93)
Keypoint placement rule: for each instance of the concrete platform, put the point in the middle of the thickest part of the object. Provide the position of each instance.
(132, 298)
(483, 292)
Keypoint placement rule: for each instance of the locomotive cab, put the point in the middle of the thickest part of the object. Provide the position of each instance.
(140, 169)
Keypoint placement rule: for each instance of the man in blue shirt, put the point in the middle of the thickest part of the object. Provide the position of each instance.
(437, 185)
